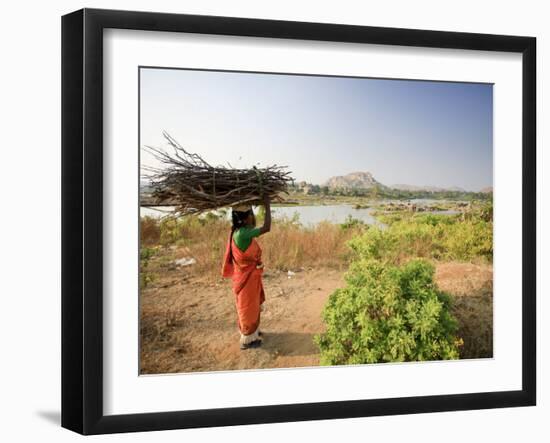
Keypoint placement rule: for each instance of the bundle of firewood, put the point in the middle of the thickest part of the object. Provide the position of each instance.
(186, 181)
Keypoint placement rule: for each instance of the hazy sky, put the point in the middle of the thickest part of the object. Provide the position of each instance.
(403, 132)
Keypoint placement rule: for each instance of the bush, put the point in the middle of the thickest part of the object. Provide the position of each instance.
(350, 223)
(427, 236)
(150, 231)
(469, 240)
(397, 243)
(388, 313)
(145, 277)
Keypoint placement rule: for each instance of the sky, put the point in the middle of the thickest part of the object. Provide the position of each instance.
(411, 132)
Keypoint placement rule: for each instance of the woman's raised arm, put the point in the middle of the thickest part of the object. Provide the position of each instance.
(267, 219)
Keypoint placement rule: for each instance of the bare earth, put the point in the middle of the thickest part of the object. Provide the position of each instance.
(189, 325)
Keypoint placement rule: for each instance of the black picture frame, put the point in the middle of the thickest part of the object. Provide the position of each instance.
(82, 218)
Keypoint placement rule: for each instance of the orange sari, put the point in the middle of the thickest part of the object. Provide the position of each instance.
(245, 269)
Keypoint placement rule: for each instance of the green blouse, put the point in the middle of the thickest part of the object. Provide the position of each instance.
(243, 236)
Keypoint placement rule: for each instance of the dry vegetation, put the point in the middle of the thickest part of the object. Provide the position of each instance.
(288, 246)
(471, 286)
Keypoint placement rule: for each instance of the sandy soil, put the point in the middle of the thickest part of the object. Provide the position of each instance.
(189, 324)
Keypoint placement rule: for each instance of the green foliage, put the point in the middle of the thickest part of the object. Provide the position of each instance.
(388, 313)
(171, 230)
(468, 240)
(482, 212)
(430, 236)
(181, 229)
(391, 309)
(145, 254)
(351, 223)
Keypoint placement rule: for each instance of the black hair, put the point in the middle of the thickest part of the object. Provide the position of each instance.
(239, 218)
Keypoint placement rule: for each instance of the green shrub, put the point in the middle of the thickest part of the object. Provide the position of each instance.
(388, 313)
(350, 223)
(439, 237)
(173, 229)
(398, 242)
(170, 230)
(145, 277)
(468, 240)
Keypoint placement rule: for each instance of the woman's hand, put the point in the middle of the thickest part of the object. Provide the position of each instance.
(267, 219)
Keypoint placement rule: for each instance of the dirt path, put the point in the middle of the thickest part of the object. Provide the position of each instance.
(190, 325)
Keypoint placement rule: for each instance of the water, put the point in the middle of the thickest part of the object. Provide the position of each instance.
(308, 215)
(312, 215)
(155, 211)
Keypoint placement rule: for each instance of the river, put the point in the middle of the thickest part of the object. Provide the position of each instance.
(306, 215)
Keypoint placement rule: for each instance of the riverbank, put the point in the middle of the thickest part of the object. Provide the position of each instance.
(300, 199)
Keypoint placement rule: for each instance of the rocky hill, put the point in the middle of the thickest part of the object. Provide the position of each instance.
(365, 180)
(354, 180)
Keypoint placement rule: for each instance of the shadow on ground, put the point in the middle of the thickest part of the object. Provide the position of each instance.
(474, 314)
(290, 343)
(54, 417)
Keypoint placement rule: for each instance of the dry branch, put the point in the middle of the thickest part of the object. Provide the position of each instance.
(189, 183)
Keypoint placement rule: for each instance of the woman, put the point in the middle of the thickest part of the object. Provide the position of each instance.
(243, 263)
